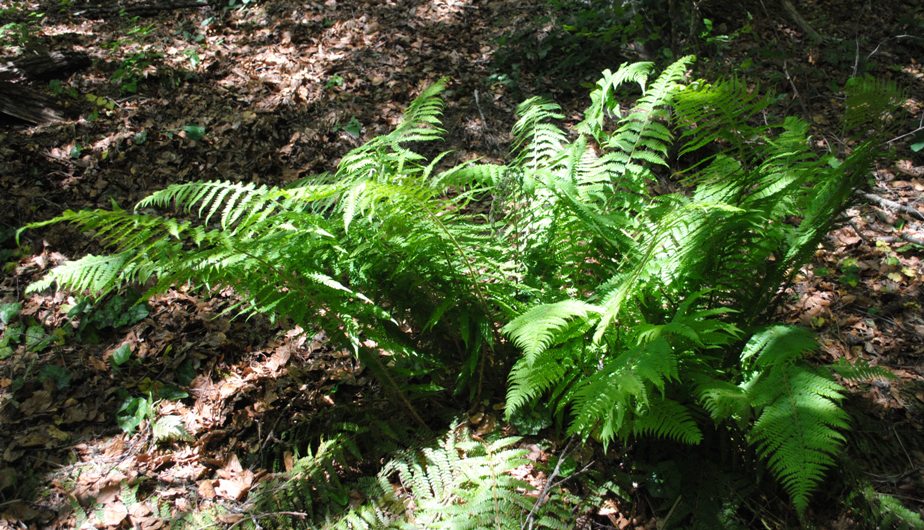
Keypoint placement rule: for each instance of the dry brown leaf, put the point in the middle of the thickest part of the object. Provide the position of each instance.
(234, 489)
(231, 468)
(114, 513)
(230, 518)
(279, 358)
(39, 401)
(207, 489)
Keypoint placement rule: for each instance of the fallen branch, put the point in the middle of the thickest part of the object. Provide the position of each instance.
(529, 522)
(881, 201)
(801, 22)
(906, 237)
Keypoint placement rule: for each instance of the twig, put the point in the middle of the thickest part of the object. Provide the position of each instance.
(883, 41)
(910, 238)
(856, 57)
(919, 129)
(881, 201)
(903, 236)
(663, 523)
(572, 475)
(795, 90)
(856, 229)
(484, 123)
(528, 523)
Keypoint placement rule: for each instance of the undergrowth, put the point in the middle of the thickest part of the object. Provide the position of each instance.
(459, 483)
(628, 270)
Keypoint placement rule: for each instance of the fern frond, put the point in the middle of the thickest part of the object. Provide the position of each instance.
(722, 399)
(869, 100)
(719, 112)
(603, 102)
(643, 135)
(97, 275)
(421, 120)
(235, 203)
(538, 142)
(463, 483)
(860, 370)
(531, 378)
(798, 431)
(535, 330)
(607, 398)
(778, 345)
(664, 418)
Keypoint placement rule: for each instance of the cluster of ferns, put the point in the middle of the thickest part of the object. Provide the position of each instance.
(627, 311)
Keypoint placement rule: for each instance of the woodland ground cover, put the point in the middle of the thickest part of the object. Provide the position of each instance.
(209, 402)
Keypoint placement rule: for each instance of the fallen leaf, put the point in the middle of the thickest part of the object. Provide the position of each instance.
(114, 513)
(233, 489)
(231, 468)
(207, 489)
(279, 358)
(230, 518)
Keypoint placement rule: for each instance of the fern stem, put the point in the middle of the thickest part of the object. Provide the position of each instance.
(371, 359)
(479, 293)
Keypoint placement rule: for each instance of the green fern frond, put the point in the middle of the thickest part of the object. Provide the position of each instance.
(234, 202)
(531, 378)
(778, 345)
(97, 275)
(718, 112)
(643, 135)
(664, 418)
(869, 100)
(798, 430)
(604, 400)
(535, 330)
(463, 483)
(603, 102)
(860, 370)
(538, 142)
(722, 399)
(421, 120)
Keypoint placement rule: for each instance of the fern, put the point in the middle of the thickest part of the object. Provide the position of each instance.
(627, 304)
(799, 426)
(463, 483)
(725, 247)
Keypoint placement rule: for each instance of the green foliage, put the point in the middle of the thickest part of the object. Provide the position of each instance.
(880, 510)
(799, 420)
(139, 58)
(94, 317)
(22, 26)
(694, 272)
(630, 306)
(461, 483)
(134, 411)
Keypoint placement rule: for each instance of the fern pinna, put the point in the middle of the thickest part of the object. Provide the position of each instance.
(630, 306)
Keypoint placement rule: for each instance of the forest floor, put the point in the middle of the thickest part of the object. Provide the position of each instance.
(279, 90)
